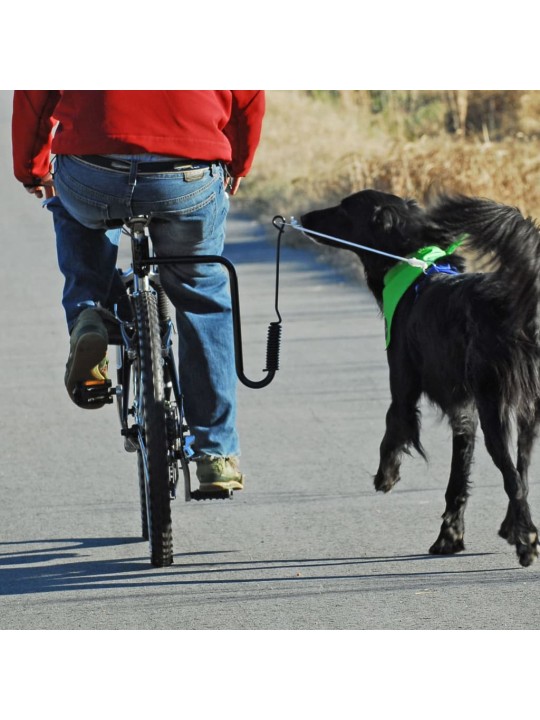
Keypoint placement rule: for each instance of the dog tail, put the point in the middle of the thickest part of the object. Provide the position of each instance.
(501, 236)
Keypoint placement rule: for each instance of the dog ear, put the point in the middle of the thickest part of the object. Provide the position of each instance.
(387, 218)
(395, 217)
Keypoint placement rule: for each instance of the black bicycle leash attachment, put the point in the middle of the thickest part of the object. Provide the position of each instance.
(274, 329)
(273, 342)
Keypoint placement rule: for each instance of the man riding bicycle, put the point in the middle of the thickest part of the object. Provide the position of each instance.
(168, 153)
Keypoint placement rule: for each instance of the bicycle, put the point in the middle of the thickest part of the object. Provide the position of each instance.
(148, 393)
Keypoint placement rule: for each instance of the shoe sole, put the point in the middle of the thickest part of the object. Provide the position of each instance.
(221, 485)
(89, 350)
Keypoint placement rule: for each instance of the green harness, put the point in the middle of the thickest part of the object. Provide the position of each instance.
(400, 278)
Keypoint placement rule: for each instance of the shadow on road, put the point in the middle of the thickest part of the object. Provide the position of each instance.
(67, 565)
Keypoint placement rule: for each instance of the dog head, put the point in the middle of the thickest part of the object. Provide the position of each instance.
(376, 220)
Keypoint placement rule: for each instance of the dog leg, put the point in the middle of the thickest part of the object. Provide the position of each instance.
(525, 534)
(527, 432)
(402, 431)
(450, 538)
(506, 531)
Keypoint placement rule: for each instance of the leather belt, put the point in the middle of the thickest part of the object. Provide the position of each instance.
(180, 165)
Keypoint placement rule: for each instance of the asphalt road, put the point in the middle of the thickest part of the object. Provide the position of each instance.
(308, 544)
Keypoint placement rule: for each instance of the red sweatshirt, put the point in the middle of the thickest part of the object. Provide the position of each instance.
(198, 124)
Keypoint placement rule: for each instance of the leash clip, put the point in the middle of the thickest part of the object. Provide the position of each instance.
(279, 223)
(416, 262)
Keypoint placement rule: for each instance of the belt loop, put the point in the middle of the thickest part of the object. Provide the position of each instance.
(133, 172)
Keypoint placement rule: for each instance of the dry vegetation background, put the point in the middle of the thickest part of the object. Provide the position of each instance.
(318, 146)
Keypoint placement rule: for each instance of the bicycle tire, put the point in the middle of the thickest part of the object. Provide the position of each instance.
(152, 423)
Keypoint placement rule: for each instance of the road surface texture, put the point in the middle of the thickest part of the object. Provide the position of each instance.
(308, 545)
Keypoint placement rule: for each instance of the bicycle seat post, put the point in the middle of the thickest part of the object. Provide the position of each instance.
(139, 247)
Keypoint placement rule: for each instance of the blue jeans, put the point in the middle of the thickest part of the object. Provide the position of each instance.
(188, 218)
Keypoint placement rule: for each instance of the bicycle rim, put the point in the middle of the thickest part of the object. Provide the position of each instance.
(142, 475)
(153, 461)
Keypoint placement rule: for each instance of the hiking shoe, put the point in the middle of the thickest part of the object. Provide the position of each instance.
(87, 356)
(219, 473)
(101, 371)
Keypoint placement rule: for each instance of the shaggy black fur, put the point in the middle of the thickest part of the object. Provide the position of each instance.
(469, 342)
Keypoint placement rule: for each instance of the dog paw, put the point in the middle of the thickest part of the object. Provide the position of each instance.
(384, 483)
(527, 557)
(449, 542)
(527, 553)
(506, 531)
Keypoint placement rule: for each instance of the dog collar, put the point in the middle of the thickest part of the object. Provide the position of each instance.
(400, 278)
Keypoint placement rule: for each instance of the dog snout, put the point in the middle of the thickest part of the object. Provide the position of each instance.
(320, 221)
(309, 221)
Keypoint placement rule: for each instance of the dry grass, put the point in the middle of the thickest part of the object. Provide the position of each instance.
(314, 152)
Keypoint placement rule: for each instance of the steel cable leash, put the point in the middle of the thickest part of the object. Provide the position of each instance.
(280, 223)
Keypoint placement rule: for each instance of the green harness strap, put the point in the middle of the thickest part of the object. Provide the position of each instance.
(400, 278)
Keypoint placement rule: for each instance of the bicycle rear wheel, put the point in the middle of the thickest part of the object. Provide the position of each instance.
(152, 422)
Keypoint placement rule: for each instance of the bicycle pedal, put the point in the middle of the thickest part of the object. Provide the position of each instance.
(91, 392)
(211, 495)
(131, 438)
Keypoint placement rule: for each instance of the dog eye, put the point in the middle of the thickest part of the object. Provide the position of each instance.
(343, 215)
(344, 222)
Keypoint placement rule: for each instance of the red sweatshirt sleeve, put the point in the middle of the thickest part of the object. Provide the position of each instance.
(31, 131)
(244, 129)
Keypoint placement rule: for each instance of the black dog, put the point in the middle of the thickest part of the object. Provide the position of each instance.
(469, 341)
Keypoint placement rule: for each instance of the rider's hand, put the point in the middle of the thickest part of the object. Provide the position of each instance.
(235, 184)
(46, 186)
